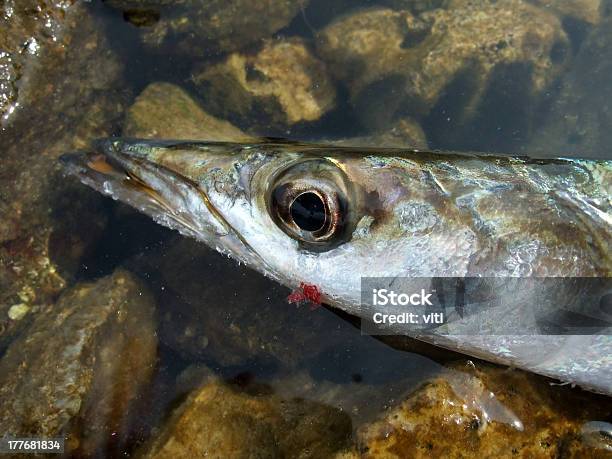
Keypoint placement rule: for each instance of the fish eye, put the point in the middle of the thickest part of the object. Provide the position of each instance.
(307, 211)
(309, 203)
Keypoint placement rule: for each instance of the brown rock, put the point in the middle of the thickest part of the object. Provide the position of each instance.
(78, 369)
(166, 111)
(69, 93)
(26, 27)
(416, 6)
(201, 29)
(348, 454)
(395, 63)
(282, 84)
(492, 412)
(218, 420)
(141, 4)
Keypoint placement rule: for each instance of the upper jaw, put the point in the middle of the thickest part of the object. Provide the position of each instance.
(167, 181)
(115, 175)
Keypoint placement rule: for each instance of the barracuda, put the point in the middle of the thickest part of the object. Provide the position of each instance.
(329, 216)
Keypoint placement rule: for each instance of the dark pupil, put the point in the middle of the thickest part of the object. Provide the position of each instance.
(308, 212)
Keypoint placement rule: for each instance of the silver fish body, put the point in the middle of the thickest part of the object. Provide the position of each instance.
(331, 216)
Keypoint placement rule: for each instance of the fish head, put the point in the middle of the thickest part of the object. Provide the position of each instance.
(300, 214)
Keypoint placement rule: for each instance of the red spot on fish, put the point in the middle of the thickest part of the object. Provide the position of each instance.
(306, 293)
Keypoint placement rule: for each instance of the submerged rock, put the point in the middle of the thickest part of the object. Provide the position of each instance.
(359, 378)
(198, 28)
(26, 27)
(70, 92)
(579, 120)
(166, 111)
(220, 420)
(77, 371)
(141, 4)
(417, 6)
(488, 412)
(584, 10)
(405, 133)
(143, 13)
(395, 63)
(282, 84)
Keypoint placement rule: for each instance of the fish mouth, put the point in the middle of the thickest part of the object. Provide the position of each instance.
(129, 170)
(120, 172)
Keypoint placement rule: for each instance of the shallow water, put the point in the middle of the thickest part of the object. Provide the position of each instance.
(124, 338)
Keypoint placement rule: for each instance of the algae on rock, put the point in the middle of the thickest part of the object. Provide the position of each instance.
(166, 111)
(487, 411)
(81, 366)
(71, 92)
(280, 85)
(396, 64)
(220, 420)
